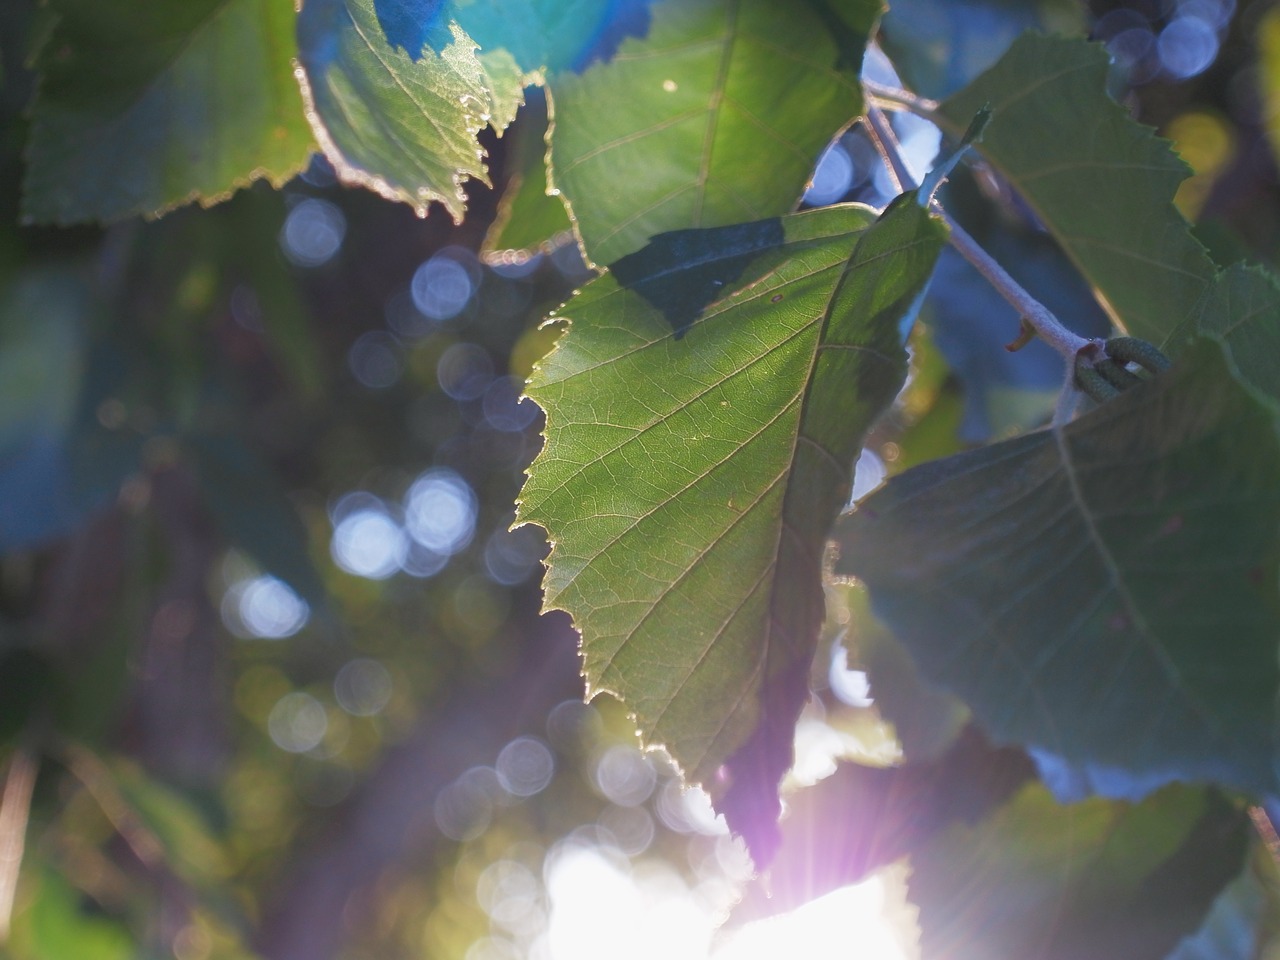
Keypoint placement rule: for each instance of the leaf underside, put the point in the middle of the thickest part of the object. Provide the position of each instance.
(1105, 592)
(695, 461)
(716, 117)
(402, 125)
(1057, 137)
(145, 107)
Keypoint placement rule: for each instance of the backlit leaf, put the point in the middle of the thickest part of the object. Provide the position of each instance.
(695, 460)
(403, 124)
(529, 220)
(716, 117)
(1106, 591)
(1101, 183)
(143, 107)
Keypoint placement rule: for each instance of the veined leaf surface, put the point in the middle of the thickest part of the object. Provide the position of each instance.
(1102, 183)
(144, 107)
(1105, 591)
(716, 117)
(694, 463)
(402, 124)
(1243, 308)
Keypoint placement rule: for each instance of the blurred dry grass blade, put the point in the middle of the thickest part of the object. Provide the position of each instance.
(20, 780)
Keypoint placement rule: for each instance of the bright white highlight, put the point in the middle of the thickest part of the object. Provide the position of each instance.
(265, 608)
(312, 233)
(440, 511)
(297, 723)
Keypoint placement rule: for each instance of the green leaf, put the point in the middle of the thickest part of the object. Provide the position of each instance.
(925, 720)
(403, 124)
(55, 925)
(717, 117)
(191, 850)
(1102, 183)
(529, 219)
(1243, 308)
(695, 461)
(144, 107)
(1105, 591)
(1094, 879)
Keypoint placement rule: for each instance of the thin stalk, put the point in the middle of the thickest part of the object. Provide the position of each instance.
(895, 98)
(1032, 312)
(15, 810)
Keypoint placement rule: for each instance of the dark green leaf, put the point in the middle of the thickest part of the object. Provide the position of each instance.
(1105, 591)
(249, 505)
(1094, 879)
(401, 123)
(693, 466)
(57, 461)
(1101, 183)
(716, 117)
(925, 720)
(144, 107)
(1243, 308)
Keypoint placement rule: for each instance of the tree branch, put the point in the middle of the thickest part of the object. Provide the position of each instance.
(1033, 313)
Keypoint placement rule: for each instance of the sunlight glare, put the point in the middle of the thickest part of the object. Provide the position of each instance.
(848, 921)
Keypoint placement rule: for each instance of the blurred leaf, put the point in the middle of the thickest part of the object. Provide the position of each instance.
(1244, 921)
(57, 463)
(528, 221)
(1268, 39)
(694, 463)
(144, 107)
(190, 848)
(1056, 136)
(717, 116)
(253, 511)
(27, 683)
(249, 241)
(861, 818)
(398, 123)
(1105, 591)
(1095, 879)
(938, 46)
(56, 926)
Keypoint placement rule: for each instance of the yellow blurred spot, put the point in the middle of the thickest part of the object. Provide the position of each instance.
(532, 346)
(258, 690)
(1207, 143)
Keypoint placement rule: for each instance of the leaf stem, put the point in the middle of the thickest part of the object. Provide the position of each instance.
(1032, 312)
(897, 98)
